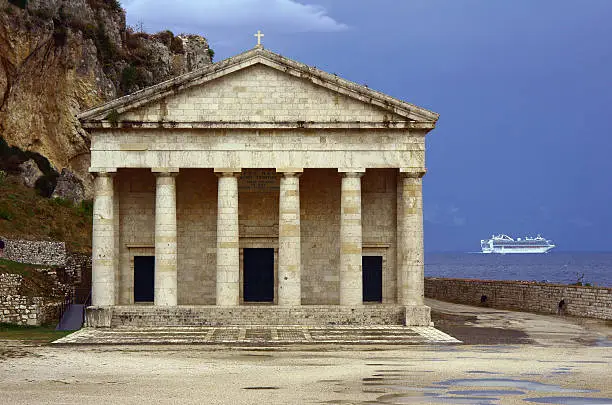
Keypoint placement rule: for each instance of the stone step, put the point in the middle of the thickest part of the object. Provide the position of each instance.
(308, 315)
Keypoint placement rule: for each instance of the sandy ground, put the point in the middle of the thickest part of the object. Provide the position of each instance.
(534, 357)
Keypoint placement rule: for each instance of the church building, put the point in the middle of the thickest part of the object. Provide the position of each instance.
(258, 190)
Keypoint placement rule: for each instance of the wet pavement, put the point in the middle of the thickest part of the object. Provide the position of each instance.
(506, 358)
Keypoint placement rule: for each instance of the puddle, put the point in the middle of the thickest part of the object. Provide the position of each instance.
(571, 400)
(329, 381)
(484, 393)
(481, 372)
(507, 382)
(260, 388)
(419, 398)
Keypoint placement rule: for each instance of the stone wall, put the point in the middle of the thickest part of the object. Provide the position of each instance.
(21, 309)
(591, 302)
(77, 266)
(44, 253)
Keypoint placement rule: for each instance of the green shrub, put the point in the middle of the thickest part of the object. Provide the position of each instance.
(61, 202)
(113, 117)
(211, 53)
(176, 46)
(86, 208)
(2, 176)
(6, 214)
(128, 77)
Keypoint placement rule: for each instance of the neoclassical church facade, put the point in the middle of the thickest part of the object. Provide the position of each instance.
(258, 185)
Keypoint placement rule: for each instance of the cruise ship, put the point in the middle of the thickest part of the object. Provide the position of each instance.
(504, 244)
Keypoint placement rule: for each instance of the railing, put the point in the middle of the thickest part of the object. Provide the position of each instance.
(68, 300)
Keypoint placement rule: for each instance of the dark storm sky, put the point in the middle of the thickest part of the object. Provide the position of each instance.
(523, 87)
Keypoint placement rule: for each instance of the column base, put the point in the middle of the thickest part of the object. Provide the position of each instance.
(98, 316)
(418, 315)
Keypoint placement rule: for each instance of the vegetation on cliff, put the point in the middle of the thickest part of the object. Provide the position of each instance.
(24, 214)
(60, 57)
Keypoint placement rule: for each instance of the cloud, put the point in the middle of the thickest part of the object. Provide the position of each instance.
(445, 215)
(580, 222)
(197, 16)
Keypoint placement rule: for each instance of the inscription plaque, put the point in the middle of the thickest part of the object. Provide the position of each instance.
(259, 180)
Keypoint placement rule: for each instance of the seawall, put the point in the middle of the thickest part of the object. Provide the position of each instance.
(590, 302)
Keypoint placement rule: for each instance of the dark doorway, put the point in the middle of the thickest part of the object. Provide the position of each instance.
(258, 275)
(144, 278)
(372, 278)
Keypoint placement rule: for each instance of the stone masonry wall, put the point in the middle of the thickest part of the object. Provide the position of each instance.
(20, 309)
(35, 252)
(591, 302)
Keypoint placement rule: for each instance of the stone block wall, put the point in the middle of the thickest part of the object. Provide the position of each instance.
(591, 302)
(20, 309)
(44, 253)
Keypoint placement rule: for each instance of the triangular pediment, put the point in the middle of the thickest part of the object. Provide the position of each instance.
(259, 87)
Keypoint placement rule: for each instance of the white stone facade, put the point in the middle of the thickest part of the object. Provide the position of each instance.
(259, 151)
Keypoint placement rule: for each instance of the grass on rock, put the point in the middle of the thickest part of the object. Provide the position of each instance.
(26, 215)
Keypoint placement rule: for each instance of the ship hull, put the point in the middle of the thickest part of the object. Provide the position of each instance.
(516, 250)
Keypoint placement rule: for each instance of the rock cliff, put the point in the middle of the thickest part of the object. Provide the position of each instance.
(59, 57)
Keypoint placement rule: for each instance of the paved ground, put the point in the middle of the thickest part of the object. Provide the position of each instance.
(552, 360)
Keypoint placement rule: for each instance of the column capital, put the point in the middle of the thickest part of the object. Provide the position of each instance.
(413, 172)
(352, 174)
(227, 172)
(107, 172)
(289, 175)
(289, 170)
(165, 171)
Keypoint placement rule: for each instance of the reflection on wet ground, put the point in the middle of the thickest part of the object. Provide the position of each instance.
(260, 388)
(571, 400)
(509, 382)
(393, 386)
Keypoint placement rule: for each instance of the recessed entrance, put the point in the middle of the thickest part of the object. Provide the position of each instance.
(144, 278)
(258, 275)
(372, 278)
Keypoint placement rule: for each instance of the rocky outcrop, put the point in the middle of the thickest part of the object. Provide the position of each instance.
(69, 187)
(30, 173)
(60, 57)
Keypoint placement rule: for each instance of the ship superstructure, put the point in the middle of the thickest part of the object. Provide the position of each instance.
(505, 244)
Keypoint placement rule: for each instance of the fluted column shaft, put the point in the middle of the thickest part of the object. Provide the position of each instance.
(410, 239)
(289, 249)
(103, 242)
(166, 262)
(351, 289)
(228, 253)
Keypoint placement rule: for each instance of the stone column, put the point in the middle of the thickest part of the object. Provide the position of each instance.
(410, 238)
(289, 243)
(228, 253)
(166, 263)
(103, 242)
(351, 289)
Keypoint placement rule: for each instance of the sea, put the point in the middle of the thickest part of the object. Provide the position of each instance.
(553, 267)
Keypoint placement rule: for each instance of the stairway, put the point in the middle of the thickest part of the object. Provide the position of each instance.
(73, 318)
